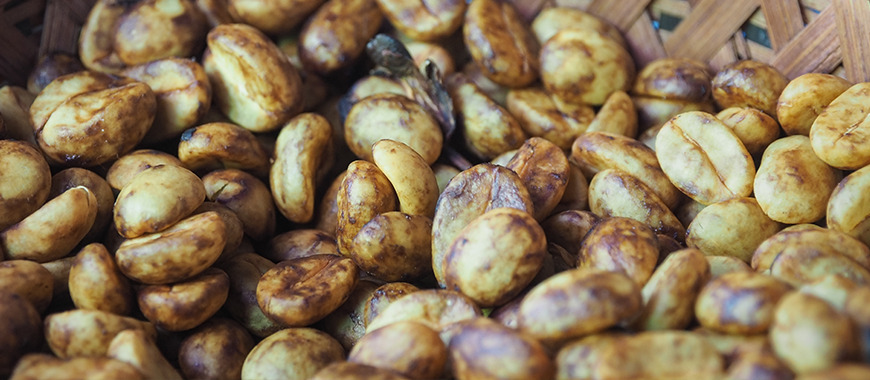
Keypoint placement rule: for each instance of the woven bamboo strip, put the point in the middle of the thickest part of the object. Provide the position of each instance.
(815, 49)
(17, 48)
(622, 14)
(708, 28)
(24, 10)
(784, 22)
(644, 41)
(67, 17)
(853, 29)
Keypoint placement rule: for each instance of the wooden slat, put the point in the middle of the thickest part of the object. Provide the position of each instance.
(784, 20)
(818, 5)
(644, 41)
(17, 54)
(759, 52)
(28, 9)
(853, 28)
(622, 13)
(727, 54)
(79, 9)
(671, 7)
(741, 46)
(815, 49)
(710, 25)
(576, 4)
(730, 51)
(832, 63)
(60, 36)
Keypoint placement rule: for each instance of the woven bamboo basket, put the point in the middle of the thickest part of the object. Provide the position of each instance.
(32, 28)
(795, 36)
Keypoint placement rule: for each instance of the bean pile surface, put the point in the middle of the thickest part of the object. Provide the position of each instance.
(436, 189)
